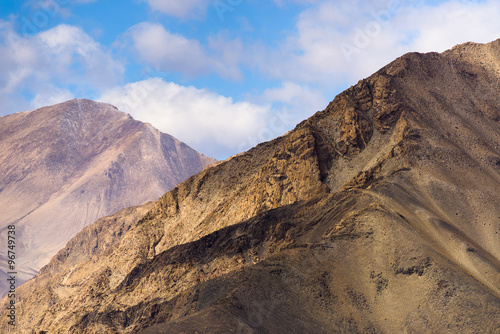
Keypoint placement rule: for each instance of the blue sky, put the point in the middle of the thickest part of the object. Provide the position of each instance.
(220, 75)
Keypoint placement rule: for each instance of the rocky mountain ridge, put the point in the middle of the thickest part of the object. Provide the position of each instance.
(64, 166)
(377, 215)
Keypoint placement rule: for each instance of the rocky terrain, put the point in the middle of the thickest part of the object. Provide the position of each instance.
(378, 214)
(64, 166)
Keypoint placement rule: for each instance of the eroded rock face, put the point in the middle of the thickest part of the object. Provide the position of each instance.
(373, 104)
(64, 166)
(377, 215)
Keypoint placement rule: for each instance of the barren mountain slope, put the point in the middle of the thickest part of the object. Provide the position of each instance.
(377, 215)
(64, 166)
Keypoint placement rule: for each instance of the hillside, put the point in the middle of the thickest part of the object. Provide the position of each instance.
(378, 214)
(64, 166)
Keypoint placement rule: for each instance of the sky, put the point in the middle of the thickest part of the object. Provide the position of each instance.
(220, 75)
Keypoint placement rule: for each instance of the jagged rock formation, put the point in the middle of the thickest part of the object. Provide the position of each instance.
(64, 166)
(377, 215)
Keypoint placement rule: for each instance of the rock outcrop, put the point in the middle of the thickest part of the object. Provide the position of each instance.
(377, 215)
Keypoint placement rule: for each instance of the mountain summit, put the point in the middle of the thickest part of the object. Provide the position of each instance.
(66, 165)
(378, 214)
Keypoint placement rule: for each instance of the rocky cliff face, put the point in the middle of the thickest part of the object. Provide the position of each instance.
(64, 166)
(377, 215)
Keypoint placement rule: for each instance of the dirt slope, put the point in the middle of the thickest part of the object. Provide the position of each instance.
(377, 215)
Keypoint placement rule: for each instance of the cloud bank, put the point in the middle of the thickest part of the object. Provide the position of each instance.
(283, 75)
(45, 65)
(210, 123)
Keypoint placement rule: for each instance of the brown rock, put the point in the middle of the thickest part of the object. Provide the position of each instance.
(377, 215)
(64, 166)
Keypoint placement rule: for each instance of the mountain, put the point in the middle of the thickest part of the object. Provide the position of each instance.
(64, 166)
(378, 214)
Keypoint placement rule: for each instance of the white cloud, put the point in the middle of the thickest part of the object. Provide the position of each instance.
(226, 56)
(182, 9)
(211, 123)
(335, 42)
(290, 93)
(300, 101)
(173, 52)
(50, 95)
(452, 23)
(59, 57)
(66, 45)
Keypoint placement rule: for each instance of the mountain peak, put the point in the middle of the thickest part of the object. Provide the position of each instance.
(66, 165)
(377, 214)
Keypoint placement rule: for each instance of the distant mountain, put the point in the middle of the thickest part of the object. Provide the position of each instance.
(378, 214)
(64, 166)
